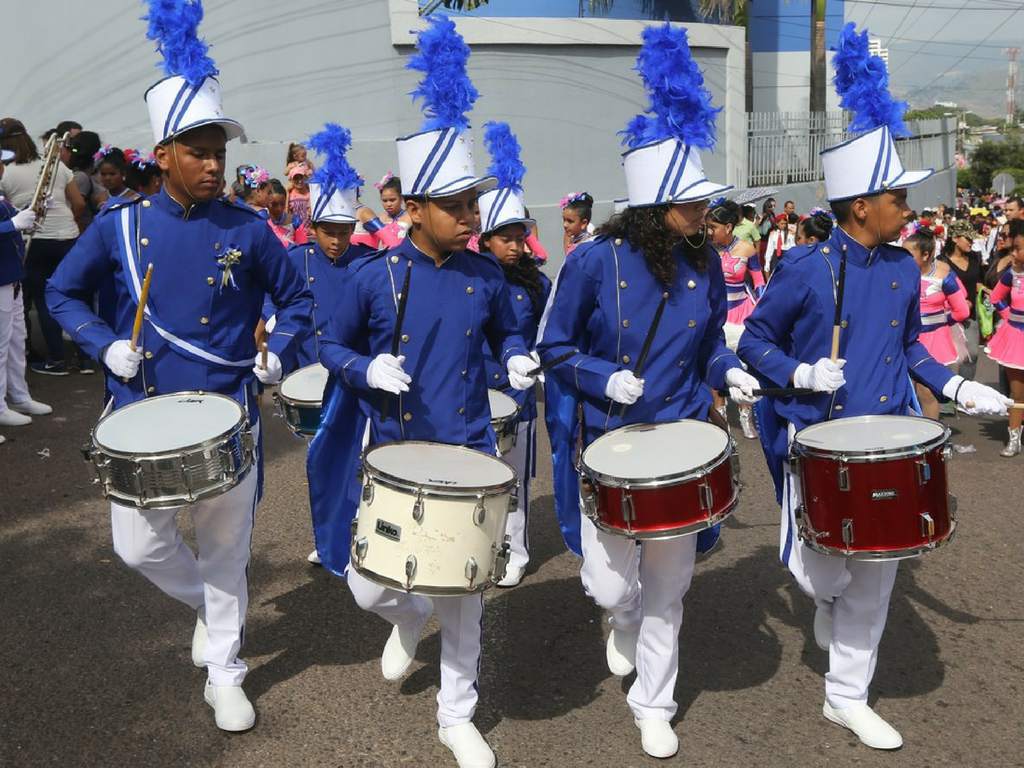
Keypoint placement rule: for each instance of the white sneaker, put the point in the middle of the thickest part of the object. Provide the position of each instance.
(199, 638)
(657, 737)
(31, 407)
(231, 707)
(513, 575)
(823, 626)
(400, 650)
(868, 727)
(313, 558)
(11, 418)
(468, 746)
(620, 652)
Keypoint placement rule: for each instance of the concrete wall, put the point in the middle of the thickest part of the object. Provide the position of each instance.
(565, 85)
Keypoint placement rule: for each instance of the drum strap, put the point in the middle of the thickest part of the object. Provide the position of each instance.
(127, 237)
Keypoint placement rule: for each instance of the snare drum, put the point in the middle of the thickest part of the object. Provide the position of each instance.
(504, 419)
(171, 450)
(874, 487)
(432, 518)
(659, 481)
(300, 399)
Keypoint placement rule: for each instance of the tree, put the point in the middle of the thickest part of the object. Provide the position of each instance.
(991, 156)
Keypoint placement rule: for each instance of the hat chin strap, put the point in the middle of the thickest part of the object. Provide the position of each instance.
(177, 167)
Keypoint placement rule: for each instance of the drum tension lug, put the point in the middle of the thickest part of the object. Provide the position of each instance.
(844, 476)
(480, 511)
(368, 491)
(847, 532)
(628, 510)
(924, 471)
(471, 571)
(927, 525)
(589, 497)
(359, 547)
(417, 511)
(707, 496)
(410, 570)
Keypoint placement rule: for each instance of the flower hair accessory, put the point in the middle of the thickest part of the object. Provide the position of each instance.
(256, 176)
(103, 151)
(384, 180)
(572, 197)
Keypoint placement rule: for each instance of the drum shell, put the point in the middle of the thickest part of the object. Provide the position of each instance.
(301, 416)
(174, 478)
(505, 430)
(664, 510)
(883, 507)
(443, 530)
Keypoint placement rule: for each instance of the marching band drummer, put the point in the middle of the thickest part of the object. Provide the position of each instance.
(435, 389)
(603, 304)
(213, 263)
(787, 341)
(505, 226)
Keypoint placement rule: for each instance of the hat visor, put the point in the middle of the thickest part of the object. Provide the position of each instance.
(480, 184)
(702, 190)
(507, 222)
(232, 128)
(910, 179)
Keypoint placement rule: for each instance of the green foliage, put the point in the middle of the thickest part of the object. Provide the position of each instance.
(963, 178)
(990, 157)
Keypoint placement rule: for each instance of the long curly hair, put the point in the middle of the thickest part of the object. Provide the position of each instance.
(645, 229)
(526, 273)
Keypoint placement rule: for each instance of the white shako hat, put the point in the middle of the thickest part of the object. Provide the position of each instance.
(504, 205)
(190, 95)
(438, 161)
(663, 162)
(334, 187)
(867, 164)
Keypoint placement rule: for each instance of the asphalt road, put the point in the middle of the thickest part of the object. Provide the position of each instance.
(95, 670)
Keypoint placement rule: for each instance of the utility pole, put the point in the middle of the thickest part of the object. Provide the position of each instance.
(819, 71)
(1011, 85)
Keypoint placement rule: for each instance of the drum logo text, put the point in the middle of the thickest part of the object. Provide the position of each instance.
(884, 494)
(389, 530)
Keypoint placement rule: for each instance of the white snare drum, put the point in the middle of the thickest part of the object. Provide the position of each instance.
(171, 450)
(504, 419)
(432, 518)
(300, 399)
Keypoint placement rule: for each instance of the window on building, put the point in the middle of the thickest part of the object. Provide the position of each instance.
(648, 10)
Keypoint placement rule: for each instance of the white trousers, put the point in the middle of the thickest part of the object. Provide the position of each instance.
(521, 457)
(859, 592)
(642, 584)
(150, 542)
(12, 347)
(460, 618)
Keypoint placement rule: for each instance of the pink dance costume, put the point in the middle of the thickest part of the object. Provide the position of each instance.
(1007, 346)
(389, 236)
(741, 300)
(943, 303)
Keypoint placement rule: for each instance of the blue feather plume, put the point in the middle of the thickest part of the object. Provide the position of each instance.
(446, 90)
(679, 105)
(504, 150)
(862, 82)
(332, 144)
(173, 25)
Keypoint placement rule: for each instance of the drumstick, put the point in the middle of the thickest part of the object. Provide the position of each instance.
(645, 350)
(785, 392)
(840, 287)
(263, 355)
(546, 366)
(141, 310)
(396, 337)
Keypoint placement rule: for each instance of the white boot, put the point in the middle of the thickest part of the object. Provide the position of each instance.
(657, 737)
(400, 650)
(199, 643)
(468, 746)
(11, 418)
(620, 652)
(868, 727)
(513, 575)
(1013, 445)
(231, 707)
(31, 407)
(313, 558)
(823, 625)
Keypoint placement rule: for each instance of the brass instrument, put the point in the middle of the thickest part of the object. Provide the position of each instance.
(47, 178)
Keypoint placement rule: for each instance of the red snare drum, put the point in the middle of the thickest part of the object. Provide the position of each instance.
(874, 487)
(659, 481)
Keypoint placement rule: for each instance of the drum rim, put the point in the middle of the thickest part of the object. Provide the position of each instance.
(434, 489)
(241, 425)
(296, 401)
(801, 450)
(504, 419)
(694, 473)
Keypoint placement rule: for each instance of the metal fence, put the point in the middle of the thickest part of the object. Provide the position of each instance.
(785, 147)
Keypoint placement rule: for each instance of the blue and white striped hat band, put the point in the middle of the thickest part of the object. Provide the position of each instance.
(664, 172)
(332, 204)
(500, 207)
(866, 165)
(438, 163)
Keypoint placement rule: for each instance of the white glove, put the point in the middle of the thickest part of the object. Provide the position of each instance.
(742, 386)
(518, 368)
(623, 387)
(823, 376)
(24, 220)
(385, 372)
(976, 399)
(272, 373)
(122, 360)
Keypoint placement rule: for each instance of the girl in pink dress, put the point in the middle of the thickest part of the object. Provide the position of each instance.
(943, 306)
(388, 229)
(739, 260)
(1007, 345)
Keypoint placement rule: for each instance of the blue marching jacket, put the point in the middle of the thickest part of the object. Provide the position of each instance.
(452, 310)
(603, 306)
(881, 321)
